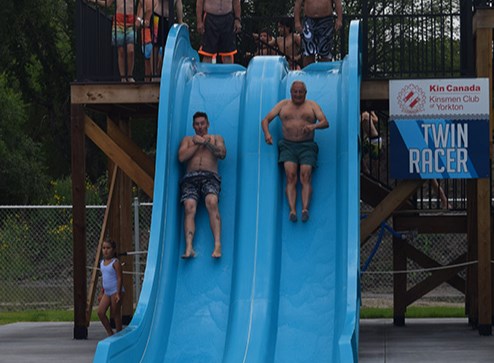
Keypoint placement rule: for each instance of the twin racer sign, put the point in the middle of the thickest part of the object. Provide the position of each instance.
(439, 128)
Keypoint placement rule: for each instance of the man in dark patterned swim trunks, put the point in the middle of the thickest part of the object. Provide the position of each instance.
(298, 121)
(200, 153)
(317, 29)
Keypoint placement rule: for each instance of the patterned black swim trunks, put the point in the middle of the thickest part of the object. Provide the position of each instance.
(199, 183)
(317, 36)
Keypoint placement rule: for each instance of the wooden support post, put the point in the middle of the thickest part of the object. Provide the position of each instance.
(78, 156)
(471, 296)
(121, 223)
(399, 282)
(484, 40)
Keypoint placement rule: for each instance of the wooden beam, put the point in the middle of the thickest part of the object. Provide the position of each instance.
(130, 147)
(124, 225)
(448, 276)
(78, 160)
(399, 282)
(430, 223)
(483, 19)
(375, 90)
(393, 200)
(101, 93)
(124, 161)
(483, 58)
(372, 192)
(471, 301)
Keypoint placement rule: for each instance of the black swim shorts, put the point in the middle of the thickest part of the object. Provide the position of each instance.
(199, 183)
(219, 36)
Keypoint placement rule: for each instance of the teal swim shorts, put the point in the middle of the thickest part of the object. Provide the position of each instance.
(302, 153)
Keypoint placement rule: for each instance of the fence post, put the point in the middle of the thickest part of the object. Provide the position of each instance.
(137, 248)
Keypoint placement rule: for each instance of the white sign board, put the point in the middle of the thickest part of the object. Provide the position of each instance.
(458, 98)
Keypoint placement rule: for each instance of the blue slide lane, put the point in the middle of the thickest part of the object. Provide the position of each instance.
(282, 292)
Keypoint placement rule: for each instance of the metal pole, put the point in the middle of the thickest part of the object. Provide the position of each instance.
(137, 261)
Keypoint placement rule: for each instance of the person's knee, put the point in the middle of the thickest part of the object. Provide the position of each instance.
(190, 207)
(211, 202)
(291, 178)
(101, 314)
(305, 175)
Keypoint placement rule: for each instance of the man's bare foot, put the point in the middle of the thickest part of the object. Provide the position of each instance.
(109, 333)
(189, 253)
(292, 217)
(305, 215)
(217, 251)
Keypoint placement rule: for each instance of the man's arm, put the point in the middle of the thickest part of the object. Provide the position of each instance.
(143, 14)
(180, 11)
(237, 12)
(218, 148)
(270, 117)
(320, 116)
(297, 10)
(339, 13)
(187, 149)
(199, 12)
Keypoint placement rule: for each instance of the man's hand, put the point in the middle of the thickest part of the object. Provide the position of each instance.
(309, 128)
(198, 140)
(200, 27)
(338, 24)
(237, 26)
(298, 27)
(269, 139)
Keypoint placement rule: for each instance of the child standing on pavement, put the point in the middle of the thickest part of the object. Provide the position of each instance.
(113, 291)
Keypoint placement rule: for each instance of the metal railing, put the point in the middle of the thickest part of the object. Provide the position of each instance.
(401, 39)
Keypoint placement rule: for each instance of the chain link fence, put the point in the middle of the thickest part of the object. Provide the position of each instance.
(376, 261)
(36, 258)
(36, 254)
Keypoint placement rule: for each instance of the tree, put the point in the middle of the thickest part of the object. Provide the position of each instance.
(23, 176)
(37, 61)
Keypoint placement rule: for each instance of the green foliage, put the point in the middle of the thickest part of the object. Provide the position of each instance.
(61, 191)
(14, 249)
(37, 61)
(22, 163)
(31, 242)
(39, 315)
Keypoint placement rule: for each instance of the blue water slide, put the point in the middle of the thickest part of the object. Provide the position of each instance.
(282, 291)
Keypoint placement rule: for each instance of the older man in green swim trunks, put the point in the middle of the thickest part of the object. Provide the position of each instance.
(299, 118)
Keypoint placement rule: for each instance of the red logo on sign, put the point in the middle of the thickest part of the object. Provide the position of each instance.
(411, 99)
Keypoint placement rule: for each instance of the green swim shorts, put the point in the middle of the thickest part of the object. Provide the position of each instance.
(302, 153)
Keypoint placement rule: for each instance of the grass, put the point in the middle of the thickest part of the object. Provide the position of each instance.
(365, 313)
(415, 312)
(9, 317)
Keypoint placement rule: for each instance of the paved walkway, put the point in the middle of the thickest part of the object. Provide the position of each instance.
(421, 340)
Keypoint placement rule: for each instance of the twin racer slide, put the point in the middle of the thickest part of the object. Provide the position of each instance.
(282, 291)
